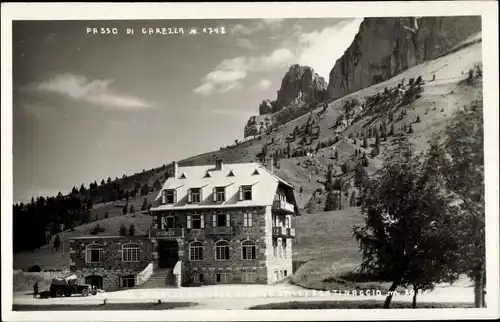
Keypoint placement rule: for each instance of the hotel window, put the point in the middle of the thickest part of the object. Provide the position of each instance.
(194, 195)
(168, 222)
(248, 249)
(196, 251)
(198, 278)
(171, 195)
(287, 222)
(285, 273)
(246, 193)
(219, 194)
(131, 253)
(128, 281)
(247, 220)
(222, 250)
(221, 220)
(222, 277)
(168, 196)
(93, 253)
(195, 221)
(248, 277)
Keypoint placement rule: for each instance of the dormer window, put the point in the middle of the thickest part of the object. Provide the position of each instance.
(219, 194)
(169, 196)
(194, 195)
(246, 193)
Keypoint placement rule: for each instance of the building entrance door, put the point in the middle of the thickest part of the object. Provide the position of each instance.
(168, 253)
(94, 280)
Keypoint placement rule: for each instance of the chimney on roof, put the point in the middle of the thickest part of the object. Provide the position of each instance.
(176, 169)
(270, 164)
(218, 164)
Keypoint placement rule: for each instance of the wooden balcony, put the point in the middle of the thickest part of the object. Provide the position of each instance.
(282, 206)
(168, 232)
(284, 232)
(219, 231)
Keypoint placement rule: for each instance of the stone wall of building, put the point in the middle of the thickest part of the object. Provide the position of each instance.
(235, 266)
(111, 267)
(279, 264)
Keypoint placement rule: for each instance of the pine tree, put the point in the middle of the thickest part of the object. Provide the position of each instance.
(336, 155)
(57, 243)
(109, 180)
(331, 201)
(106, 215)
(377, 139)
(352, 200)
(410, 129)
(125, 209)
(82, 188)
(144, 204)
(102, 182)
(418, 119)
(123, 230)
(132, 209)
(131, 230)
(329, 173)
(365, 142)
(391, 130)
(345, 167)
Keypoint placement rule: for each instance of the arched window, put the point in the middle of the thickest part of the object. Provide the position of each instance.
(248, 249)
(196, 251)
(131, 252)
(93, 253)
(222, 250)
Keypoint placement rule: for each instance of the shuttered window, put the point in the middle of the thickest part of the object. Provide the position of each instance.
(221, 220)
(196, 195)
(196, 221)
(246, 192)
(171, 196)
(220, 194)
(247, 220)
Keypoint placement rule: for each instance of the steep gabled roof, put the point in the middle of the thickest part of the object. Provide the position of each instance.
(264, 185)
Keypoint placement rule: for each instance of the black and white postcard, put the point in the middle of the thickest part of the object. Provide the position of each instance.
(253, 161)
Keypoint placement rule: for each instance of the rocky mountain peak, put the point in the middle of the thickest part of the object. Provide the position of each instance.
(384, 47)
(300, 87)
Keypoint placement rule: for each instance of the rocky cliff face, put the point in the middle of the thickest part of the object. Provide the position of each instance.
(302, 83)
(300, 87)
(384, 47)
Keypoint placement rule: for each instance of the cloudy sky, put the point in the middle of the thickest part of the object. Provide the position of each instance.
(87, 106)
